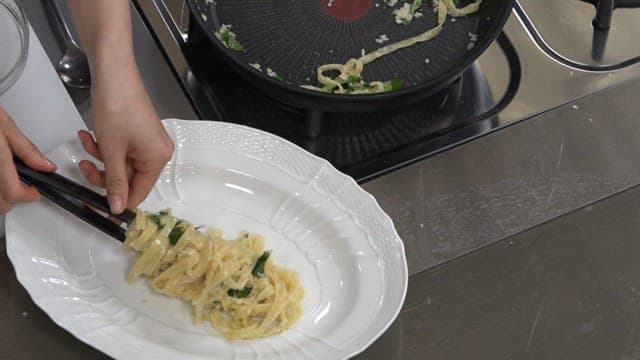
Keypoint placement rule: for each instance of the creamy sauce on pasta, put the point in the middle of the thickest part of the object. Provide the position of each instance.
(233, 284)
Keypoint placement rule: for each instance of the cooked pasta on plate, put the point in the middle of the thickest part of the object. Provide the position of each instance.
(233, 284)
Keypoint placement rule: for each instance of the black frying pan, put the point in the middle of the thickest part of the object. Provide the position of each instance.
(294, 37)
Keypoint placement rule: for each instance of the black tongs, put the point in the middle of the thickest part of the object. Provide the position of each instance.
(76, 199)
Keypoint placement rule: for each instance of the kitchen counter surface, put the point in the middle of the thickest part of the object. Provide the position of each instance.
(521, 244)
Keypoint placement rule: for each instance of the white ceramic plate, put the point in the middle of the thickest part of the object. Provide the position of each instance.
(318, 222)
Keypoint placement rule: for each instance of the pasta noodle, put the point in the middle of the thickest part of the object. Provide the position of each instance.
(349, 81)
(233, 284)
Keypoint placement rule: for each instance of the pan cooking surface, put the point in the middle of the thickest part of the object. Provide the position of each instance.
(294, 37)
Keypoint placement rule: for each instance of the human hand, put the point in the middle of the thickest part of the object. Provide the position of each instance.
(13, 142)
(131, 142)
(129, 138)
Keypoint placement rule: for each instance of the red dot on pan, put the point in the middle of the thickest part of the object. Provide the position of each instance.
(347, 9)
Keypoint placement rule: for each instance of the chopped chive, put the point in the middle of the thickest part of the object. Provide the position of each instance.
(176, 232)
(258, 268)
(357, 84)
(391, 85)
(329, 87)
(353, 79)
(415, 6)
(240, 293)
(229, 39)
(156, 219)
(235, 45)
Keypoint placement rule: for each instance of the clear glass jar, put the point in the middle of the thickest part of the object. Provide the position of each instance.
(14, 42)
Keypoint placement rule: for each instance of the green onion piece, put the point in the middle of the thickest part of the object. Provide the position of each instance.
(396, 84)
(163, 212)
(156, 219)
(235, 45)
(355, 83)
(258, 268)
(392, 85)
(353, 79)
(176, 232)
(329, 87)
(415, 6)
(228, 37)
(240, 293)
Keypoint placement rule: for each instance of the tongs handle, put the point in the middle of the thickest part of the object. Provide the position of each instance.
(73, 189)
(76, 199)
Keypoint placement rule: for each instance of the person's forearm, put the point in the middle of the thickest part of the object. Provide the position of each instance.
(128, 136)
(104, 27)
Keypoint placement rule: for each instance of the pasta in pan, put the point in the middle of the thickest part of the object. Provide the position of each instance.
(233, 284)
(350, 81)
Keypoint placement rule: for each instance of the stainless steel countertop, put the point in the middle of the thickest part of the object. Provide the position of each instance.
(517, 178)
(551, 271)
(566, 289)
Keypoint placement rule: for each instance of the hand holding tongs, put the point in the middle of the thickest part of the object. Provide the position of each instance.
(76, 199)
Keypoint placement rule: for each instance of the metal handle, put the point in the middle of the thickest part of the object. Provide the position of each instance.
(66, 186)
(62, 23)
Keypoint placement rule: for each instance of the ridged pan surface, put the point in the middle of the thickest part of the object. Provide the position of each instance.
(294, 37)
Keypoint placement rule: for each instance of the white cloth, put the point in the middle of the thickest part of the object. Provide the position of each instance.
(40, 105)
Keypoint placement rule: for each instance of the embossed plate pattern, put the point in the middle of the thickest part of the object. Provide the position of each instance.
(318, 222)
